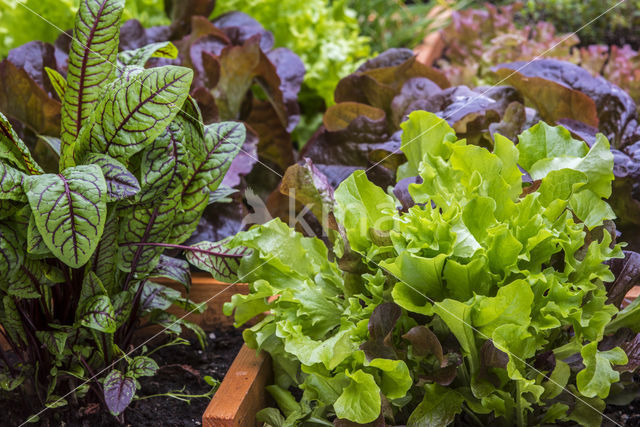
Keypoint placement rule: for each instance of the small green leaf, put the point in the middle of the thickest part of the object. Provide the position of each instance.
(9, 383)
(424, 134)
(121, 183)
(57, 81)
(140, 56)
(14, 150)
(362, 206)
(53, 341)
(396, 379)
(598, 375)
(360, 400)
(98, 314)
(11, 183)
(542, 141)
(439, 407)
(142, 366)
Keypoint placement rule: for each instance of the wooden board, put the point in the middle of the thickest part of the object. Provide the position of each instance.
(216, 293)
(242, 392)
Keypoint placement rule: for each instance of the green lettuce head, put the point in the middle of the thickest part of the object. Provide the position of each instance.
(486, 296)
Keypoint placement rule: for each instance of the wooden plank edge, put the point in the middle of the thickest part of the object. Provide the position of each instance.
(242, 392)
(215, 293)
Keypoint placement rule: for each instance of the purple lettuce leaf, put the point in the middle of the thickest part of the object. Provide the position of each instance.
(240, 27)
(542, 81)
(310, 187)
(134, 36)
(23, 98)
(627, 273)
(381, 324)
(181, 13)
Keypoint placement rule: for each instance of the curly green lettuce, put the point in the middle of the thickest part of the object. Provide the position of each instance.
(486, 297)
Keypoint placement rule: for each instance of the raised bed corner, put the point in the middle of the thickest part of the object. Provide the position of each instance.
(242, 392)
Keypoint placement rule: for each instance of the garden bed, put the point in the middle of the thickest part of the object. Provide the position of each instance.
(182, 366)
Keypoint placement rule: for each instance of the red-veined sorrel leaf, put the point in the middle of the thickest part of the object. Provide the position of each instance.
(139, 57)
(174, 269)
(11, 255)
(70, 211)
(91, 287)
(193, 127)
(103, 261)
(135, 110)
(53, 341)
(97, 313)
(31, 279)
(11, 320)
(191, 209)
(122, 303)
(165, 163)
(222, 143)
(57, 81)
(217, 258)
(35, 243)
(145, 224)
(118, 391)
(142, 366)
(23, 283)
(155, 296)
(120, 182)
(11, 183)
(92, 56)
(14, 150)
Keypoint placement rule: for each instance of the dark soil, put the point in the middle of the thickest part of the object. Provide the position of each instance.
(628, 415)
(180, 366)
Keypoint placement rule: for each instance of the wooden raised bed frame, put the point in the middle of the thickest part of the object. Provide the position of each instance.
(242, 392)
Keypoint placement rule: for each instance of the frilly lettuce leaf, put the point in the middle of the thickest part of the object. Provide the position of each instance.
(501, 257)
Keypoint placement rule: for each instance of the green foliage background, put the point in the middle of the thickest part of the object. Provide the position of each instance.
(19, 25)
